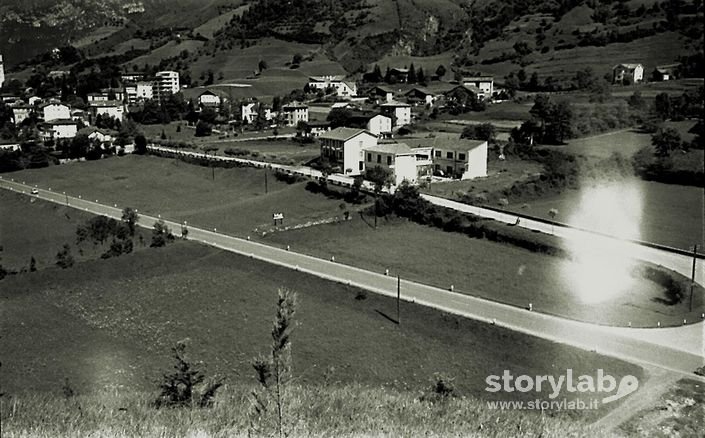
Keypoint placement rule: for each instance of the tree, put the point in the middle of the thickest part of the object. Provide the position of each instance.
(411, 77)
(662, 106)
(79, 147)
(203, 129)
(130, 218)
(440, 71)
(484, 131)
(187, 386)
(262, 65)
(381, 177)
(32, 264)
(273, 373)
(339, 117)
(140, 144)
(297, 58)
(560, 124)
(64, 258)
(666, 140)
(161, 235)
(420, 76)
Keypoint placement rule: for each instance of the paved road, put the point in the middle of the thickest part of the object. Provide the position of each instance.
(680, 263)
(677, 355)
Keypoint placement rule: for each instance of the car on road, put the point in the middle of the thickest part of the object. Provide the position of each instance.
(35, 191)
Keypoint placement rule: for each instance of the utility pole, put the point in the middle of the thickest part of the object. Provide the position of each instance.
(692, 276)
(266, 188)
(398, 298)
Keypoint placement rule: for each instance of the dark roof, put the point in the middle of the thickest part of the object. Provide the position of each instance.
(344, 134)
(390, 148)
(450, 142)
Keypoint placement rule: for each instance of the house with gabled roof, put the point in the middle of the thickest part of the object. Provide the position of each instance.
(484, 83)
(399, 112)
(420, 95)
(632, 73)
(294, 112)
(55, 111)
(344, 147)
(342, 87)
(212, 98)
(666, 72)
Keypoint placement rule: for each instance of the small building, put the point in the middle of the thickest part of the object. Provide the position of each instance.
(420, 95)
(627, 73)
(20, 112)
(345, 146)
(399, 74)
(9, 146)
(316, 129)
(377, 124)
(55, 111)
(34, 100)
(399, 112)
(109, 108)
(459, 158)
(464, 93)
(211, 98)
(97, 97)
(484, 83)
(251, 110)
(55, 129)
(342, 87)
(667, 72)
(294, 112)
(405, 163)
(381, 93)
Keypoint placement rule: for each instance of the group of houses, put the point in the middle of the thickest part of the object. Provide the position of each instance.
(632, 73)
(354, 150)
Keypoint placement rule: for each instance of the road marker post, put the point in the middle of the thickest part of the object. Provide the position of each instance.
(692, 276)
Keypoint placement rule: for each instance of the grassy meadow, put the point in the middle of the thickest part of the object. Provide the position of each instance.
(482, 268)
(234, 202)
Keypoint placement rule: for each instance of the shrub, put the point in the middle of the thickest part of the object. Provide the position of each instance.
(187, 386)
(64, 258)
(161, 235)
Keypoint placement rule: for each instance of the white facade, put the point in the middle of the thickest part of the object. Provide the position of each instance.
(209, 98)
(108, 108)
(20, 113)
(56, 111)
(295, 113)
(379, 125)
(61, 129)
(249, 112)
(632, 72)
(342, 87)
(477, 162)
(167, 82)
(345, 146)
(483, 83)
(400, 113)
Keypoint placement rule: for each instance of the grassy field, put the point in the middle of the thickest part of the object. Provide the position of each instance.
(39, 229)
(234, 202)
(109, 325)
(478, 267)
(625, 142)
(501, 175)
(663, 213)
(344, 411)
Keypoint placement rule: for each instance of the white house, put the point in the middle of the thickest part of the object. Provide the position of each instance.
(211, 98)
(345, 146)
(250, 110)
(632, 73)
(110, 108)
(459, 158)
(102, 136)
(9, 146)
(342, 87)
(34, 100)
(97, 97)
(420, 94)
(65, 128)
(294, 113)
(484, 83)
(56, 111)
(380, 125)
(20, 112)
(399, 112)
(405, 163)
(2, 73)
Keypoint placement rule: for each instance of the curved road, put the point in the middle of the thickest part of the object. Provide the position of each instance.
(677, 349)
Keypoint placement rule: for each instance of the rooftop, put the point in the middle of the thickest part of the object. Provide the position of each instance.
(344, 134)
(450, 142)
(478, 78)
(390, 148)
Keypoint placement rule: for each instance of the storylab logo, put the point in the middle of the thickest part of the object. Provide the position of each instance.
(605, 388)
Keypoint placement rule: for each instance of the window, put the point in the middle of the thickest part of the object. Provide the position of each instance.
(379, 158)
(389, 160)
(438, 154)
(449, 155)
(461, 156)
(369, 157)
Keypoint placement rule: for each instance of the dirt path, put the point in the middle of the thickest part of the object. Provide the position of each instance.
(648, 395)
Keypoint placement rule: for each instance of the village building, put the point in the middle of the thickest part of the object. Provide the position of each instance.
(108, 108)
(375, 123)
(250, 112)
(294, 112)
(420, 95)
(55, 111)
(211, 98)
(483, 83)
(344, 147)
(20, 112)
(166, 83)
(381, 93)
(338, 83)
(667, 72)
(627, 73)
(56, 129)
(399, 112)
